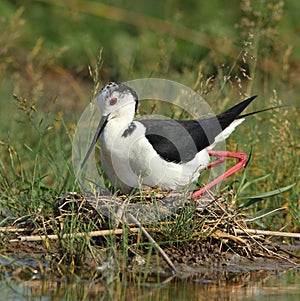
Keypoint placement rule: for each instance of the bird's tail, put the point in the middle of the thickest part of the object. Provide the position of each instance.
(227, 117)
(259, 111)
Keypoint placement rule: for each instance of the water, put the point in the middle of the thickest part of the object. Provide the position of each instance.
(257, 286)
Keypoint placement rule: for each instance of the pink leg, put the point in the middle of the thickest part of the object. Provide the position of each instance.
(221, 157)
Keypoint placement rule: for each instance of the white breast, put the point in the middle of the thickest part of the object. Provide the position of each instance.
(131, 161)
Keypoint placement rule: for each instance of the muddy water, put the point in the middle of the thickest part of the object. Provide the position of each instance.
(255, 285)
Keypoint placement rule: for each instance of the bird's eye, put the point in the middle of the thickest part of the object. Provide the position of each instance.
(113, 101)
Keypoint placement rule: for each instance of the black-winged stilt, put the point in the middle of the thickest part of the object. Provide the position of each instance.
(169, 154)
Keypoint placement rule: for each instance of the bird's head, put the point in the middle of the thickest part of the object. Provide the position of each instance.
(117, 100)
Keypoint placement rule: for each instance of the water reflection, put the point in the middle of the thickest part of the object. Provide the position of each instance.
(285, 286)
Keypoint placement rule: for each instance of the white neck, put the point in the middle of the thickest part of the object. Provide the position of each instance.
(118, 121)
(125, 112)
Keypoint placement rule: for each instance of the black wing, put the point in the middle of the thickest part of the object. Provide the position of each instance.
(180, 140)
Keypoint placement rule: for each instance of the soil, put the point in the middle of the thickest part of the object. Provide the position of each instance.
(202, 263)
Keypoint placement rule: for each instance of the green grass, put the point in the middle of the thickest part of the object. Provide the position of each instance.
(45, 83)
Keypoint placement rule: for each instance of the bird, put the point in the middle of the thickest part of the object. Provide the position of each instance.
(165, 153)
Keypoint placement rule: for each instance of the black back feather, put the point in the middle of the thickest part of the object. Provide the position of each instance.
(180, 140)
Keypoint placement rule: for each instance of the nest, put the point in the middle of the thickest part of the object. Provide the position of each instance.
(191, 231)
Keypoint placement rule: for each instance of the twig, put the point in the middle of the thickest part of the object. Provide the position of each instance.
(80, 234)
(121, 218)
(267, 232)
(287, 252)
(263, 215)
(12, 229)
(219, 233)
(159, 249)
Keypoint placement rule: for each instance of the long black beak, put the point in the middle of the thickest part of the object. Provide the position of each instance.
(100, 128)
